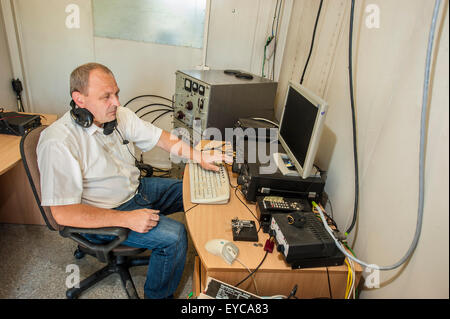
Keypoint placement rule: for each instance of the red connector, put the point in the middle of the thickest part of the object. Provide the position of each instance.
(269, 245)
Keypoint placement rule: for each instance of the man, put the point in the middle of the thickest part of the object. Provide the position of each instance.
(89, 178)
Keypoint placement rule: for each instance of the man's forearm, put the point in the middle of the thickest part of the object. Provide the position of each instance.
(86, 216)
(174, 145)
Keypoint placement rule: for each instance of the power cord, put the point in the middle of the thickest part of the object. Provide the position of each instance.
(265, 120)
(153, 104)
(312, 41)
(146, 169)
(352, 102)
(191, 208)
(159, 116)
(423, 126)
(293, 292)
(253, 277)
(235, 193)
(148, 95)
(329, 284)
(255, 270)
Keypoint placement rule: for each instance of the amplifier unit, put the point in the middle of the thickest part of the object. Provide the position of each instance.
(216, 99)
(305, 246)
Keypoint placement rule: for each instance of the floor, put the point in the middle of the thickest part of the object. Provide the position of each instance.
(34, 261)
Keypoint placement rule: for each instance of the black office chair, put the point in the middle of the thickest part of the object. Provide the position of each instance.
(119, 258)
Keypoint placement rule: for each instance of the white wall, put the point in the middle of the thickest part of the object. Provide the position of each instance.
(238, 32)
(389, 65)
(146, 68)
(7, 96)
(50, 51)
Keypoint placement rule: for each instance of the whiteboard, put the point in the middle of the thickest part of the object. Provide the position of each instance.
(171, 22)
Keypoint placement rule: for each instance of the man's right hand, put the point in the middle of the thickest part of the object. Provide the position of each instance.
(143, 220)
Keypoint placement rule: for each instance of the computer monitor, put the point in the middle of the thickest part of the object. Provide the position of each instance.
(300, 129)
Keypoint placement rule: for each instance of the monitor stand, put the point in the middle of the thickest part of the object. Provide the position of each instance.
(287, 168)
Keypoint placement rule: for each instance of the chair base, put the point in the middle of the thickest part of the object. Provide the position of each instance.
(119, 265)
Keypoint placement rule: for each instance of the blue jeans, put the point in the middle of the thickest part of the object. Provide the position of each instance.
(168, 240)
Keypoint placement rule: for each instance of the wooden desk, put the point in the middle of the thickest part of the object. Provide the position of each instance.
(274, 277)
(17, 203)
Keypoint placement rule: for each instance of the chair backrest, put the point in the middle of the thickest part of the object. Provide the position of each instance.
(28, 146)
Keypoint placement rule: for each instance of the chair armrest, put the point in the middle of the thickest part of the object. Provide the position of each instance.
(101, 250)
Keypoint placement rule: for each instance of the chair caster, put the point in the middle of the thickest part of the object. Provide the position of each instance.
(79, 254)
(72, 294)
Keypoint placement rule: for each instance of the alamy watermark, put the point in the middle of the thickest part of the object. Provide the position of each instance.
(372, 20)
(73, 17)
(245, 146)
(73, 279)
(371, 277)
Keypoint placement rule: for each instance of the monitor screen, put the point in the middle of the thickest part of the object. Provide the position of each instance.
(301, 126)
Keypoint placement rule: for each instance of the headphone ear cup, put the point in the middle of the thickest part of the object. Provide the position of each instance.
(109, 127)
(82, 116)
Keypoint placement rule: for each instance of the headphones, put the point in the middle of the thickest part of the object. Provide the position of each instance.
(84, 118)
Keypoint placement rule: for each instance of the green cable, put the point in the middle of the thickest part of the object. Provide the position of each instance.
(346, 245)
(314, 204)
(269, 39)
(264, 62)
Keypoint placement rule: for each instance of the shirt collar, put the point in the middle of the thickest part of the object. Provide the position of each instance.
(92, 129)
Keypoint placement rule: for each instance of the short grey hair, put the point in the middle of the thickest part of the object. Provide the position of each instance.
(79, 78)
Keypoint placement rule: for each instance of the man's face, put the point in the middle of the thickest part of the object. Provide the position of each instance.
(102, 97)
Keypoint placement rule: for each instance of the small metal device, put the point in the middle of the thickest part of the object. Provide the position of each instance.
(239, 224)
(244, 230)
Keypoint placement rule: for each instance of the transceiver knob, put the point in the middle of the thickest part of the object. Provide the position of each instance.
(180, 115)
(242, 179)
(189, 106)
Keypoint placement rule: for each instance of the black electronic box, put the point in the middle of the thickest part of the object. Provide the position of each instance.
(14, 123)
(254, 183)
(265, 215)
(307, 246)
(262, 179)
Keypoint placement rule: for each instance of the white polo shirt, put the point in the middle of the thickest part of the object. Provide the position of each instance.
(82, 165)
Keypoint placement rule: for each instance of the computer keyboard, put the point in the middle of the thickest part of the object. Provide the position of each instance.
(209, 187)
